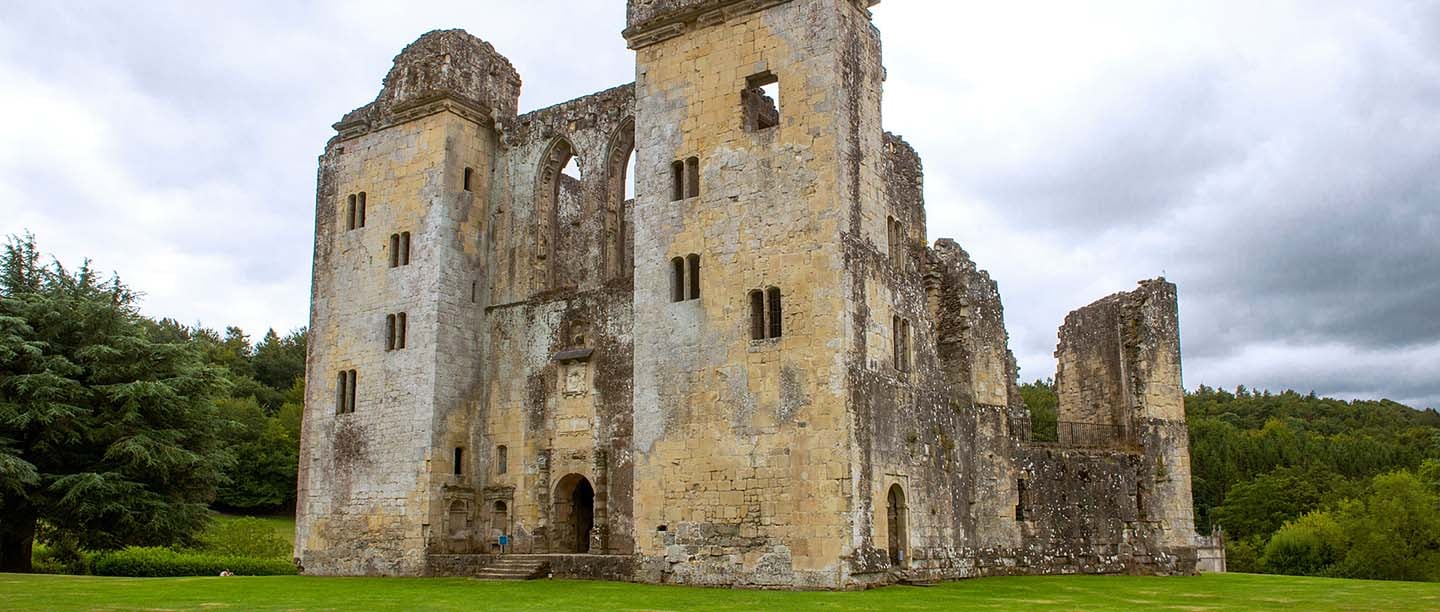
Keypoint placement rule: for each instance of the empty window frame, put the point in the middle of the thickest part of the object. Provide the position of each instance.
(395, 330)
(399, 249)
(360, 216)
(469, 176)
(692, 289)
(685, 178)
(765, 314)
(350, 210)
(1020, 494)
(677, 279)
(692, 177)
(760, 102)
(900, 331)
(677, 180)
(459, 461)
(895, 237)
(502, 459)
(685, 278)
(345, 392)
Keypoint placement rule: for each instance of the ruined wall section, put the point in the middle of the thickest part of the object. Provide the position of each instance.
(558, 327)
(1119, 365)
(551, 247)
(373, 478)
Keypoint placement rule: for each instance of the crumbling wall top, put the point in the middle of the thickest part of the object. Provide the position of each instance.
(651, 21)
(441, 64)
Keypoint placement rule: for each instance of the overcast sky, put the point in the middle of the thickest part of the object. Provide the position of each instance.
(1279, 161)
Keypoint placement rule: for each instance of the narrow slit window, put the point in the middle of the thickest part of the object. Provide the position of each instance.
(895, 341)
(692, 177)
(677, 279)
(459, 461)
(760, 102)
(400, 328)
(394, 250)
(350, 391)
(502, 459)
(772, 297)
(474, 288)
(677, 181)
(390, 332)
(360, 221)
(693, 290)
(340, 393)
(905, 345)
(404, 248)
(1020, 499)
(469, 174)
(757, 315)
(350, 213)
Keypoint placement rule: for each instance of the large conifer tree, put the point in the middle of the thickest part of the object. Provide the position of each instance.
(108, 433)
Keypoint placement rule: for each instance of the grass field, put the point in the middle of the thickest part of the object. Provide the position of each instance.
(1210, 592)
(284, 526)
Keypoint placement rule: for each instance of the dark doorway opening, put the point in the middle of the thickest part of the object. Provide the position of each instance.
(583, 501)
(895, 513)
(574, 514)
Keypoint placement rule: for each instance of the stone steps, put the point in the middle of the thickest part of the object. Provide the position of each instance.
(514, 568)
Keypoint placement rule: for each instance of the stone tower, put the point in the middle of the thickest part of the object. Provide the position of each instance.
(743, 436)
(755, 373)
(403, 189)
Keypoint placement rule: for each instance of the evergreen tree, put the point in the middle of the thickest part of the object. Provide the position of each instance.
(108, 430)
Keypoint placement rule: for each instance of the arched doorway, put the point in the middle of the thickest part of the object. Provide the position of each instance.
(895, 515)
(574, 514)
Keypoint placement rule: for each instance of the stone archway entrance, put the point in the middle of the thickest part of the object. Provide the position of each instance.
(574, 515)
(895, 515)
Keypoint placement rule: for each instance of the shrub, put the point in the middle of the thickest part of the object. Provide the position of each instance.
(154, 561)
(245, 536)
(1307, 546)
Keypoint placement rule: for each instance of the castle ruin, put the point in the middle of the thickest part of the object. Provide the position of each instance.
(753, 372)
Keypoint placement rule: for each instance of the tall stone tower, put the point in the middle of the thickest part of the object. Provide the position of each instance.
(394, 333)
(743, 438)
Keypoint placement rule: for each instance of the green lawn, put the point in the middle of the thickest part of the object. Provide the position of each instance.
(1210, 592)
(284, 526)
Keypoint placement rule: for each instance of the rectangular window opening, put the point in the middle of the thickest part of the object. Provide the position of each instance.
(692, 177)
(677, 279)
(677, 181)
(459, 460)
(694, 285)
(760, 102)
(502, 459)
(400, 325)
(360, 222)
(469, 173)
(757, 315)
(350, 391)
(350, 213)
(772, 296)
(340, 393)
(404, 248)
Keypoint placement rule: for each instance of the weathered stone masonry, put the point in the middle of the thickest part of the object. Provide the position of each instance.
(754, 372)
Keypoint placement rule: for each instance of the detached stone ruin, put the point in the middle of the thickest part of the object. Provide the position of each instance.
(752, 370)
